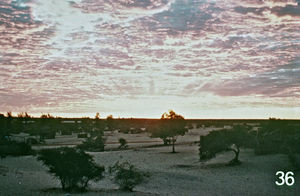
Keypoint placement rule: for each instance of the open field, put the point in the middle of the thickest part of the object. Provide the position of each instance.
(171, 173)
(134, 140)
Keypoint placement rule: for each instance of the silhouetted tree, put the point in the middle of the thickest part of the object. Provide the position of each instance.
(170, 126)
(9, 125)
(94, 143)
(109, 122)
(46, 116)
(279, 136)
(9, 114)
(3, 127)
(9, 121)
(97, 116)
(98, 126)
(225, 140)
(95, 128)
(73, 167)
(123, 143)
(13, 148)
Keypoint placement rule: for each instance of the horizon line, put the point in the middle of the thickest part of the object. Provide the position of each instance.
(78, 116)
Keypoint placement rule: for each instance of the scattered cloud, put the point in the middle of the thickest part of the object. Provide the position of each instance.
(80, 55)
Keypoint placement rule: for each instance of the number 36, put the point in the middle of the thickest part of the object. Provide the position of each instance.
(287, 178)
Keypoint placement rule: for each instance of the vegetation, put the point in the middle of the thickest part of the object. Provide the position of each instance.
(170, 126)
(82, 135)
(278, 136)
(123, 143)
(126, 175)
(94, 143)
(73, 167)
(97, 116)
(13, 148)
(225, 140)
(110, 122)
(274, 136)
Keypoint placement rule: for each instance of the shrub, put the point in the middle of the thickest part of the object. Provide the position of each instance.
(48, 135)
(123, 143)
(73, 167)
(126, 131)
(295, 161)
(82, 135)
(66, 132)
(198, 126)
(31, 141)
(93, 143)
(13, 148)
(135, 130)
(126, 175)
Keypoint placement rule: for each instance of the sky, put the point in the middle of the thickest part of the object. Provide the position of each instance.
(140, 58)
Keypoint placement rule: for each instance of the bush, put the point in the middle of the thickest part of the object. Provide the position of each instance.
(123, 143)
(94, 144)
(295, 161)
(73, 167)
(31, 141)
(126, 175)
(66, 132)
(190, 126)
(82, 135)
(135, 130)
(126, 131)
(48, 135)
(198, 126)
(13, 148)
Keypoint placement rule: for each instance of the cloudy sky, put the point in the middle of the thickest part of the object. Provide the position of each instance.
(140, 58)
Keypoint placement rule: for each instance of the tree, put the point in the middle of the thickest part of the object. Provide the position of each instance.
(225, 140)
(126, 175)
(98, 126)
(23, 115)
(123, 143)
(279, 136)
(94, 143)
(9, 114)
(13, 148)
(169, 127)
(9, 121)
(73, 167)
(97, 116)
(46, 116)
(110, 122)
(3, 128)
(44, 128)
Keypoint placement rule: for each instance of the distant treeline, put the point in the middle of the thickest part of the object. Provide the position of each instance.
(47, 125)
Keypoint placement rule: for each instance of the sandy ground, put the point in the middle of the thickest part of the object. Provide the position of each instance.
(171, 174)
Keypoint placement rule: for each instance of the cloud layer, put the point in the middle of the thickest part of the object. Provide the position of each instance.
(85, 56)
